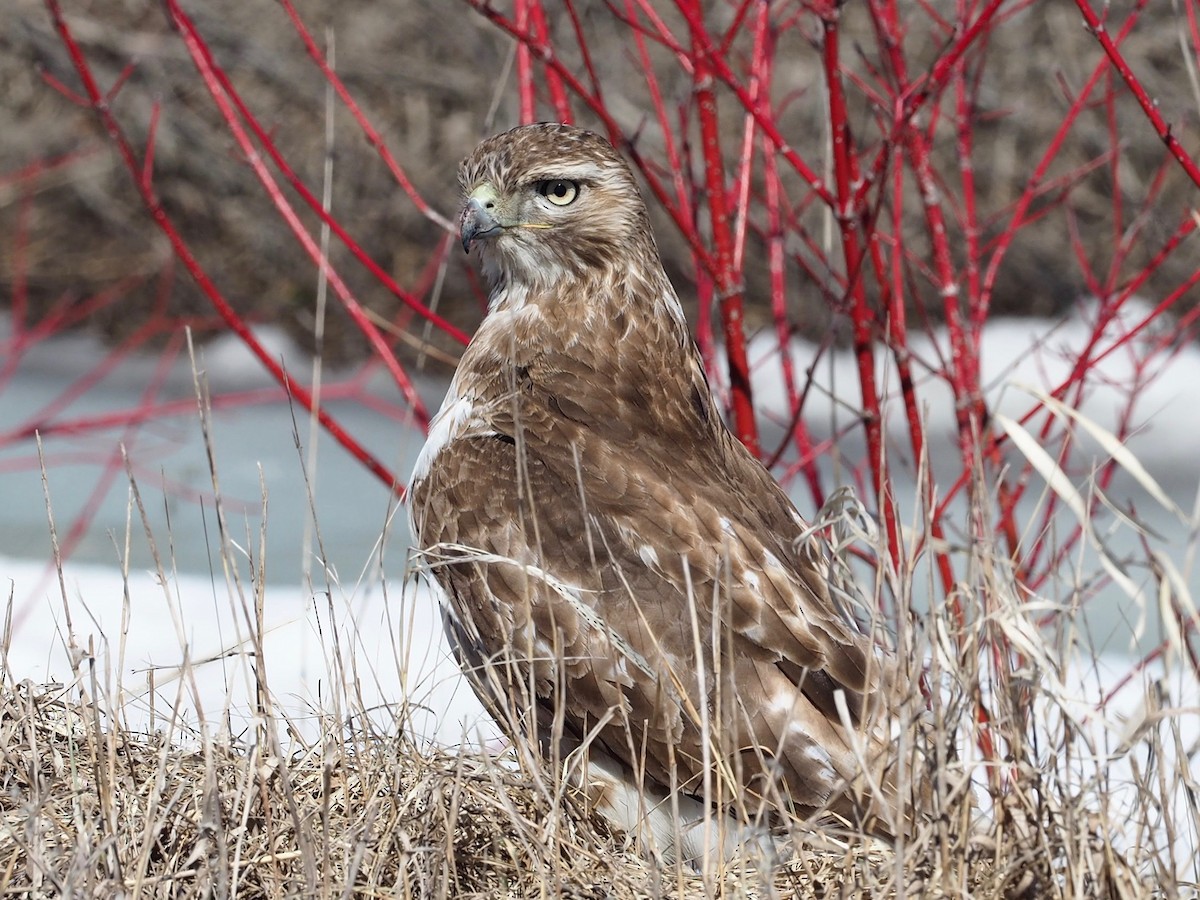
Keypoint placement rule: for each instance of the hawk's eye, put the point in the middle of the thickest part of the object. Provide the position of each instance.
(558, 191)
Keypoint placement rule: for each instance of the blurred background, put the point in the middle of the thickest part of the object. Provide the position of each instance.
(434, 78)
(93, 354)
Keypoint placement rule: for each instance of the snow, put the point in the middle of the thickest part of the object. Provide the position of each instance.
(141, 634)
(1017, 354)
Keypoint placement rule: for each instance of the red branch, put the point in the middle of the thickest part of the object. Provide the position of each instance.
(207, 69)
(145, 189)
(313, 202)
(729, 289)
(1149, 107)
(845, 173)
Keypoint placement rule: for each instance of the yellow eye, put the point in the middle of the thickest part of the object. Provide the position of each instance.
(558, 191)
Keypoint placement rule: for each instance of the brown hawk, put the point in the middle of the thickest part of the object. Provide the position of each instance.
(625, 584)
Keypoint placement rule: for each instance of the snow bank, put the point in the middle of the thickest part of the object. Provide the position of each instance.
(138, 635)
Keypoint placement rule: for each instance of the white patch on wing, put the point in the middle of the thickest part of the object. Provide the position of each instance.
(816, 754)
(755, 633)
(781, 703)
(542, 650)
(445, 427)
(673, 307)
(648, 555)
(621, 670)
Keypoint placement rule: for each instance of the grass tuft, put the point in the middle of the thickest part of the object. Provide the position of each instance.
(91, 805)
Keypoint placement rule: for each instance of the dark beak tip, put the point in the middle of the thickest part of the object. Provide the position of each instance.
(475, 223)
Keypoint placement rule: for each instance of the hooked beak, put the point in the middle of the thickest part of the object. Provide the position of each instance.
(476, 219)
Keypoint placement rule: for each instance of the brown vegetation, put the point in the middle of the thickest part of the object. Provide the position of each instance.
(91, 805)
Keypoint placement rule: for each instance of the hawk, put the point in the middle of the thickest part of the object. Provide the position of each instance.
(626, 586)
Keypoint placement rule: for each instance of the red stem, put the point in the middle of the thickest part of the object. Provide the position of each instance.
(558, 93)
(728, 280)
(314, 203)
(845, 177)
(526, 96)
(369, 130)
(185, 256)
(1161, 127)
(207, 69)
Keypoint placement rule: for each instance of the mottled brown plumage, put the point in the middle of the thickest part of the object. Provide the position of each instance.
(619, 571)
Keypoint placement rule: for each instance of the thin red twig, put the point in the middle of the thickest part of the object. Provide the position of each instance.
(190, 263)
(728, 280)
(1112, 49)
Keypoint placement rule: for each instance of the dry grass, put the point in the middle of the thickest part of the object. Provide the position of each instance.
(100, 811)
(93, 806)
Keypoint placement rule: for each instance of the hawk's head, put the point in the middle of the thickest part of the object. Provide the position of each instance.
(551, 202)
